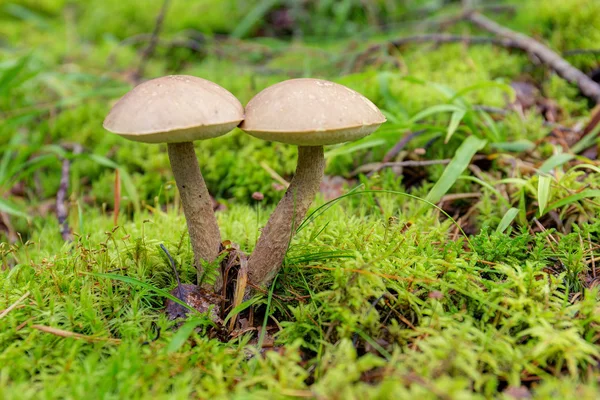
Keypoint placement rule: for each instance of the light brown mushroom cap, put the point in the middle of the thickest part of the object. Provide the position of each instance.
(173, 109)
(311, 112)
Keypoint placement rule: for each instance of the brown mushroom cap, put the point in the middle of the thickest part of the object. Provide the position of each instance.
(172, 109)
(311, 112)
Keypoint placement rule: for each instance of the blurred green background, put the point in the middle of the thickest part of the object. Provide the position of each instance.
(63, 63)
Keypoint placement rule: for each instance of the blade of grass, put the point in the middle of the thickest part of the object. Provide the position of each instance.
(508, 218)
(555, 161)
(575, 197)
(437, 109)
(455, 119)
(11, 209)
(543, 192)
(241, 307)
(263, 331)
(459, 163)
(184, 333)
(133, 281)
(252, 18)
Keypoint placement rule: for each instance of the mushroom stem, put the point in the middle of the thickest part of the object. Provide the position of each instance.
(268, 255)
(197, 205)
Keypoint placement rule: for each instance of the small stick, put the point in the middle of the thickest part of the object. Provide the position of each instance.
(393, 152)
(274, 174)
(547, 56)
(62, 212)
(149, 50)
(374, 167)
(69, 334)
(14, 305)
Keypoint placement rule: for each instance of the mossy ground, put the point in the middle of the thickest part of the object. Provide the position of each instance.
(381, 296)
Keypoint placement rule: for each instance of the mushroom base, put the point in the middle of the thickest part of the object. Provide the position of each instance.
(197, 206)
(268, 255)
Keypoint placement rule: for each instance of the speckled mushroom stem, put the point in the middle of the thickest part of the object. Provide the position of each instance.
(268, 255)
(197, 204)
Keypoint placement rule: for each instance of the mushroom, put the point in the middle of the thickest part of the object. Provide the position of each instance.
(308, 113)
(177, 110)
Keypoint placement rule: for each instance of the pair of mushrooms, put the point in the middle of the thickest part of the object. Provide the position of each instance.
(309, 113)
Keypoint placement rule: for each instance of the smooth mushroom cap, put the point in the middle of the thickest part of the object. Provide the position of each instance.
(310, 112)
(174, 109)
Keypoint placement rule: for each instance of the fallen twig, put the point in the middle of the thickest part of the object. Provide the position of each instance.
(14, 305)
(393, 152)
(375, 167)
(62, 211)
(73, 335)
(440, 38)
(546, 55)
(459, 196)
(149, 50)
(274, 174)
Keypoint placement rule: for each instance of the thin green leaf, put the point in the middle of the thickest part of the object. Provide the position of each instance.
(455, 119)
(555, 161)
(390, 102)
(252, 18)
(184, 333)
(8, 76)
(508, 218)
(518, 146)
(459, 163)
(241, 307)
(437, 109)
(585, 166)
(489, 122)
(486, 185)
(574, 198)
(543, 194)
(12, 209)
(133, 281)
(263, 331)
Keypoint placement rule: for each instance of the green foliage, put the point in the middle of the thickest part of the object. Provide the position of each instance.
(381, 295)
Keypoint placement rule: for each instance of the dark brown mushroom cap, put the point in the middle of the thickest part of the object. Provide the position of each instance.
(172, 109)
(311, 112)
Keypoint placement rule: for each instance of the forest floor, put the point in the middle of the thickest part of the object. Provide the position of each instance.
(450, 255)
